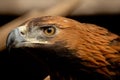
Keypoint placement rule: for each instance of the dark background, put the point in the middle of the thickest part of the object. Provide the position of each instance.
(111, 22)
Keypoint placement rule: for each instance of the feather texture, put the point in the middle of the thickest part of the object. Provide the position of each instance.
(76, 50)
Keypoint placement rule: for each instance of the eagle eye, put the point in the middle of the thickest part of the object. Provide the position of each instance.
(49, 30)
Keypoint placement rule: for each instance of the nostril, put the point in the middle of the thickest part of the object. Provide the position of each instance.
(23, 33)
(22, 30)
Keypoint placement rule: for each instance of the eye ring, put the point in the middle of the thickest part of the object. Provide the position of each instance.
(49, 30)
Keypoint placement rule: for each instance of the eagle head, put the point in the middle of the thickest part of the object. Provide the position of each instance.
(52, 34)
(70, 48)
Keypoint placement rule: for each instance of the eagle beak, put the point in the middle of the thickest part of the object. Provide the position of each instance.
(14, 37)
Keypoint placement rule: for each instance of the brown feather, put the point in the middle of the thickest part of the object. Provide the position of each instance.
(95, 47)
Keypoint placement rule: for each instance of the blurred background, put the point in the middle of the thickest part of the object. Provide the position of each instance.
(105, 13)
(102, 12)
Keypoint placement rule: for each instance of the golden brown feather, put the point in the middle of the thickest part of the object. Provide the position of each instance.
(90, 49)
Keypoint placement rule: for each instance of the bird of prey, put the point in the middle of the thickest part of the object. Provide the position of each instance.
(70, 49)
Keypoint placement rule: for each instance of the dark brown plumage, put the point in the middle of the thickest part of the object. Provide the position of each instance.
(72, 50)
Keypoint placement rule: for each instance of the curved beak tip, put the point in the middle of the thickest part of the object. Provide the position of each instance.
(10, 39)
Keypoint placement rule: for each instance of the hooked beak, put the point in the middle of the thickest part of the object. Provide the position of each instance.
(17, 40)
(14, 37)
